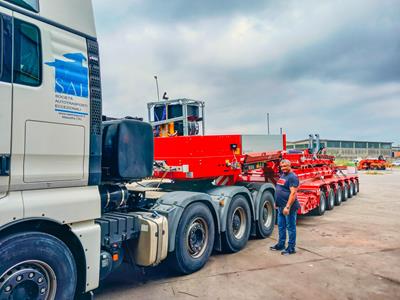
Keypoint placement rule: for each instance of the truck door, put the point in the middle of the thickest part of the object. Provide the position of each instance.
(50, 124)
(5, 98)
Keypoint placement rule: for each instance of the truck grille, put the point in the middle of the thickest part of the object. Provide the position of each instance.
(95, 87)
(95, 112)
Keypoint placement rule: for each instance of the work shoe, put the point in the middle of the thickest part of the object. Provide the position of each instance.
(288, 251)
(277, 247)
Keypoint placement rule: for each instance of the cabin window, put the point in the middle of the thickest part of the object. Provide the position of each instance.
(27, 54)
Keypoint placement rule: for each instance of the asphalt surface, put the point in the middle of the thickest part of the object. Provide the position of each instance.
(352, 252)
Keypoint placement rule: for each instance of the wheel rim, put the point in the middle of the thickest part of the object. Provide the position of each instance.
(30, 280)
(197, 237)
(239, 221)
(346, 192)
(266, 214)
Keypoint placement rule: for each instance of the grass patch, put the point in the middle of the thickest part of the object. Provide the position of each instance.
(344, 162)
(373, 173)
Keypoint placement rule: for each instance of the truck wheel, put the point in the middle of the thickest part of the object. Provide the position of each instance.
(345, 191)
(330, 203)
(320, 210)
(266, 215)
(36, 265)
(351, 189)
(194, 239)
(338, 196)
(238, 223)
(357, 185)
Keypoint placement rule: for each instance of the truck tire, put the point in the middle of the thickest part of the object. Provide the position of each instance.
(345, 191)
(238, 223)
(357, 185)
(194, 239)
(266, 215)
(36, 265)
(320, 209)
(354, 188)
(351, 189)
(338, 196)
(330, 202)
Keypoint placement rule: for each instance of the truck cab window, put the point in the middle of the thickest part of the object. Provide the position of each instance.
(1, 47)
(27, 54)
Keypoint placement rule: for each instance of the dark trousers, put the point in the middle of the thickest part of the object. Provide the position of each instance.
(287, 223)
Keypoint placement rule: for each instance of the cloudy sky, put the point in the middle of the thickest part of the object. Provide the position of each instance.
(328, 67)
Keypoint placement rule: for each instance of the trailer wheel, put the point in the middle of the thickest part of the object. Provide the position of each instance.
(194, 239)
(266, 215)
(36, 265)
(330, 203)
(351, 189)
(357, 185)
(338, 196)
(238, 223)
(320, 210)
(345, 191)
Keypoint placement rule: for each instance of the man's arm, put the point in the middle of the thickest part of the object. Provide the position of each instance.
(292, 196)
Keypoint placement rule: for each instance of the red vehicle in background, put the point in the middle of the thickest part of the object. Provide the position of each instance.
(373, 164)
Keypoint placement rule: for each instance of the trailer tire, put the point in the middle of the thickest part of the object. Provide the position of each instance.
(355, 188)
(238, 225)
(266, 215)
(35, 264)
(338, 196)
(345, 191)
(194, 239)
(330, 202)
(351, 189)
(357, 185)
(320, 209)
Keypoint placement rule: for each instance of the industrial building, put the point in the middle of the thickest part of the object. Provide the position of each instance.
(396, 151)
(349, 149)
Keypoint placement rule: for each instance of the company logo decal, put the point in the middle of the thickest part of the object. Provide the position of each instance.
(71, 77)
(281, 181)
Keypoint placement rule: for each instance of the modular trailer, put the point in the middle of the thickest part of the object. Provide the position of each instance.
(221, 159)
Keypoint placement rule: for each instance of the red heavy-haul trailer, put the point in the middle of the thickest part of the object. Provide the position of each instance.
(220, 159)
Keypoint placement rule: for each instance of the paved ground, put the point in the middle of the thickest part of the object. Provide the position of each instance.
(352, 252)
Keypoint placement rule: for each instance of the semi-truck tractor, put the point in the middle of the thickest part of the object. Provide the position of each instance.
(67, 218)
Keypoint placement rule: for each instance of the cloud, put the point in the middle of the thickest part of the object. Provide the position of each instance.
(314, 66)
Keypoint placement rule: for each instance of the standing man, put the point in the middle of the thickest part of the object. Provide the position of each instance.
(286, 201)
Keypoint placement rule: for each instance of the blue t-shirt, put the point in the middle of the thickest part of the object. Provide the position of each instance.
(285, 182)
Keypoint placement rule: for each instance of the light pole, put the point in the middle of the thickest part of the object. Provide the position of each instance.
(268, 122)
(158, 91)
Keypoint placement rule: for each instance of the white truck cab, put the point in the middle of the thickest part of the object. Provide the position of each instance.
(50, 126)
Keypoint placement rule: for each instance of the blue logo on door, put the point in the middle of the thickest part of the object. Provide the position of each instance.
(71, 75)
